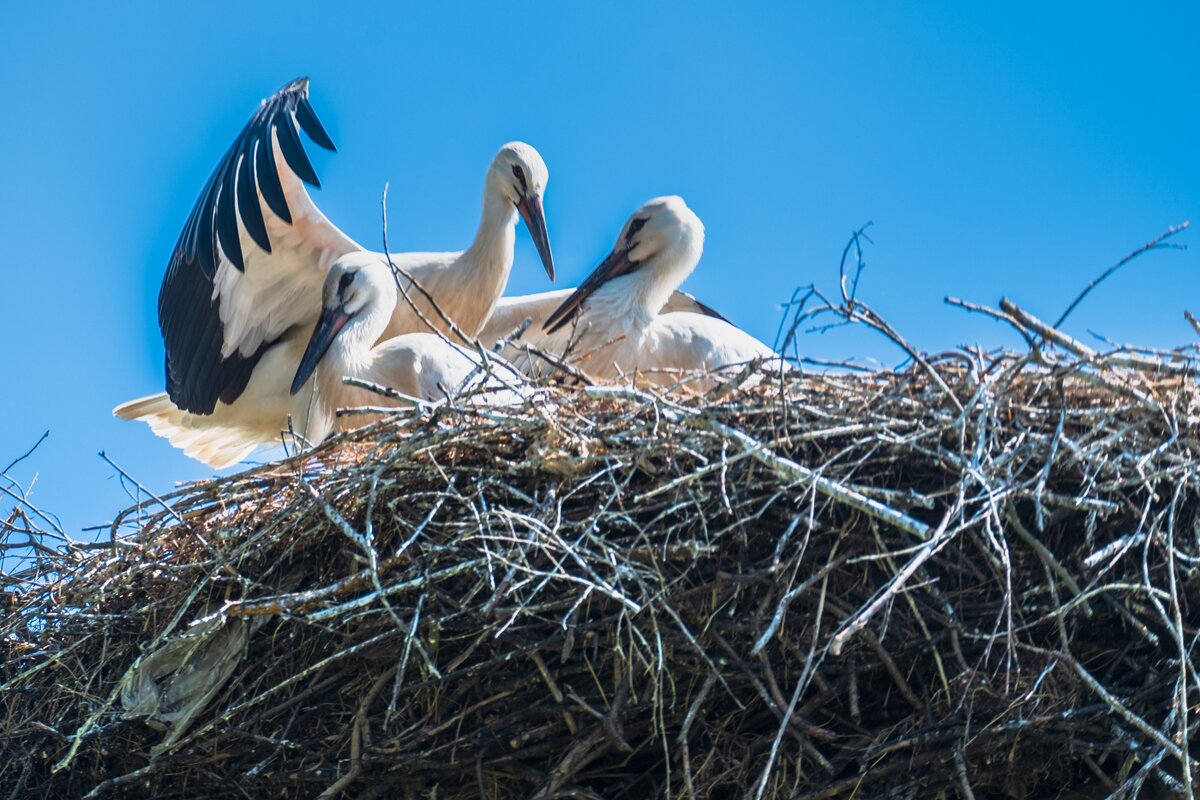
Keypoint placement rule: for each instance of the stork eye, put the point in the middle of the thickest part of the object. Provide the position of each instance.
(345, 281)
(520, 175)
(634, 227)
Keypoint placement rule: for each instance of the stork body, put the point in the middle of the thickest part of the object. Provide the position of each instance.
(357, 303)
(614, 324)
(244, 284)
(510, 312)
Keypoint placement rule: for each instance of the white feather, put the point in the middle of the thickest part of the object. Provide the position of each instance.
(282, 288)
(624, 328)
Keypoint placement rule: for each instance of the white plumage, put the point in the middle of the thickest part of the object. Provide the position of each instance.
(466, 285)
(302, 378)
(357, 303)
(259, 417)
(279, 289)
(244, 285)
(614, 325)
(512, 311)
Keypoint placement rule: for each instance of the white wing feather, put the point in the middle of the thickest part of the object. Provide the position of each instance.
(282, 288)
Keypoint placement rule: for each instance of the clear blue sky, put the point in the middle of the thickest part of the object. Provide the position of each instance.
(1014, 148)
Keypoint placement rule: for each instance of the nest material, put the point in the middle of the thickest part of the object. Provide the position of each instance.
(975, 579)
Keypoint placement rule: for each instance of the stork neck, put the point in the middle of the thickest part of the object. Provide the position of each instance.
(491, 253)
(653, 289)
(639, 296)
(627, 301)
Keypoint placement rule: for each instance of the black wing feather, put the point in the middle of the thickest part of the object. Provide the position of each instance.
(268, 181)
(706, 309)
(203, 246)
(312, 126)
(247, 202)
(293, 152)
(188, 313)
(226, 221)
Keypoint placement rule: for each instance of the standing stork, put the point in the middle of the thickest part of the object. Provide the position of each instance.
(614, 324)
(467, 284)
(243, 286)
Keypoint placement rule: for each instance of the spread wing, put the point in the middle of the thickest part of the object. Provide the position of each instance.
(251, 259)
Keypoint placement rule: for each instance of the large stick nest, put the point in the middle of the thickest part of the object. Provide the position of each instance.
(977, 578)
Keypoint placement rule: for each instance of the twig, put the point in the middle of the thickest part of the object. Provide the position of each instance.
(1156, 243)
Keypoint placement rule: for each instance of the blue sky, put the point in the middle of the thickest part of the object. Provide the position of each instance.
(999, 149)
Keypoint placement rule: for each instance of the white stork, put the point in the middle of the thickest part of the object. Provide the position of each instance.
(466, 285)
(357, 302)
(243, 286)
(616, 323)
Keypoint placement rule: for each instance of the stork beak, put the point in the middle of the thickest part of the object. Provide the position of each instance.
(614, 265)
(328, 326)
(530, 209)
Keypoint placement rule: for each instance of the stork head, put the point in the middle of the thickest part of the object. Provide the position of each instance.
(521, 176)
(664, 235)
(359, 295)
(661, 242)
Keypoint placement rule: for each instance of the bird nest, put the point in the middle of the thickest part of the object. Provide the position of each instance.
(978, 577)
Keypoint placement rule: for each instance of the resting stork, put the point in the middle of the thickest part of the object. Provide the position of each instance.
(357, 303)
(243, 286)
(614, 324)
